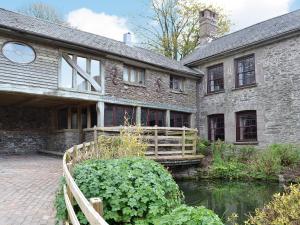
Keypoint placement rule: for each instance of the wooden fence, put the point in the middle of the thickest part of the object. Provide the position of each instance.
(92, 208)
(163, 142)
(181, 141)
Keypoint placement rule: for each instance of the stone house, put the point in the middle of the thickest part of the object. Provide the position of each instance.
(55, 81)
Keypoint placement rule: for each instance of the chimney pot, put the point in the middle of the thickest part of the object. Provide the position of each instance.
(127, 39)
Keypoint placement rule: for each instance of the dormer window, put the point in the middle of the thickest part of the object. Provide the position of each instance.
(176, 83)
(134, 75)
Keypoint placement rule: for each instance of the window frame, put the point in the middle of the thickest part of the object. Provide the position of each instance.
(178, 78)
(236, 62)
(177, 114)
(238, 125)
(156, 116)
(138, 71)
(89, 58)
(214, 79)
(114, 112)
(214, 117)
(20, 43)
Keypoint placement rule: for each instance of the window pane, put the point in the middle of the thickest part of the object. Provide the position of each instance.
(81, 83)
(179, 119)
(216, 127)
(74, 119)
(82, 62)
(84, 118)
(176, 83)
(246, 126)
(144, 117)
(133, 75)
(66, 74)
(62, 118)
(215, 78)
(141, 76)
(96, 70)
(93, 116)
(125, 73)
(108, 115)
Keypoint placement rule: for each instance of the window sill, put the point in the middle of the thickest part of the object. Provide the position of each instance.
(134, 84)
(80, 91)
(246, 143)
(178, 92)
(214, 93)
(245, 87)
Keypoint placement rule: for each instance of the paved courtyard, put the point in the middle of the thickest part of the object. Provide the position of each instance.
(27, 188)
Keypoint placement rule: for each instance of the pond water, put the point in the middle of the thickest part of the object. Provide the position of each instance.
(227, 197)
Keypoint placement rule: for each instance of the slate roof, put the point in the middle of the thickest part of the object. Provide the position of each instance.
(254, 34)
(38, 27)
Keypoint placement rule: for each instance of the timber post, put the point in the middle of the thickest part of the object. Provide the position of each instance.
(97, 205)
(156, 141)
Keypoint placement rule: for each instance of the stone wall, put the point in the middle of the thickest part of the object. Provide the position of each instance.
(23, 129)
(60, 141)
(149, 93)
(276, 97)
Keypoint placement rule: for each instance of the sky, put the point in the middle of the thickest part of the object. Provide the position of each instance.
(113, 18)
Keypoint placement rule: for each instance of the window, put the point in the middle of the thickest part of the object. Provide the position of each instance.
(245, 71)
(216, 127)
(215, 78)
(70, 78)
(177, 83)
(114, 115)
(246, 128)
(179, 119)
(152, 117)
(133, 74)
(18, 52)
(62, 118)
(76, 117)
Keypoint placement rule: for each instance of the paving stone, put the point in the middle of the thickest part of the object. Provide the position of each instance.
(27, 189)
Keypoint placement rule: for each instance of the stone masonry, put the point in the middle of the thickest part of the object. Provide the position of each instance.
(275, 97)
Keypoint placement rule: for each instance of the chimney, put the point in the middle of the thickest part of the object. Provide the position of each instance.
(127, 39)
(208, 26)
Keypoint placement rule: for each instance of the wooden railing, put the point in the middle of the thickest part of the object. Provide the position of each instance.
(162, 142)
(182, 142)
(93, 208)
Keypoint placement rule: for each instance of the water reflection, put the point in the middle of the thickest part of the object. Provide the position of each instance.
(227, 197)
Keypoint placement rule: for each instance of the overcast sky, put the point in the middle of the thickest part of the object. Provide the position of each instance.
(112, 18)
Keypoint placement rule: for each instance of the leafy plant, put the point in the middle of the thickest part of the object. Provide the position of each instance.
(59, 203)
(284, 209)
(202, 146)
(132, 189)
(186, 215)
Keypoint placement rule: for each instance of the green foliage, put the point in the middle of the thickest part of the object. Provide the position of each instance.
(233, 162)
(270, 162)
(284, 209)
(134, 190)
(59, 203)
(186, 215)
(202, 146)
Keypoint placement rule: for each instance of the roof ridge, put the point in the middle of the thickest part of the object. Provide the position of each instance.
(264, 21)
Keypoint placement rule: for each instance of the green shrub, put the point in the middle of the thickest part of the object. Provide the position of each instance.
(284, 209)
(186, 215)
(59, 202)
(228, 170)
(134, 190)
(202, 146)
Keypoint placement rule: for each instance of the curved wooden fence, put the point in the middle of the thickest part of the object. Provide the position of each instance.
(93, 208)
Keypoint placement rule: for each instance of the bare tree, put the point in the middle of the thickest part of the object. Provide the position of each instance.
(43, 11)
(174, 27)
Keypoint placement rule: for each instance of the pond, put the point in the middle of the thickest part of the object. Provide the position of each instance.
(227, 197)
